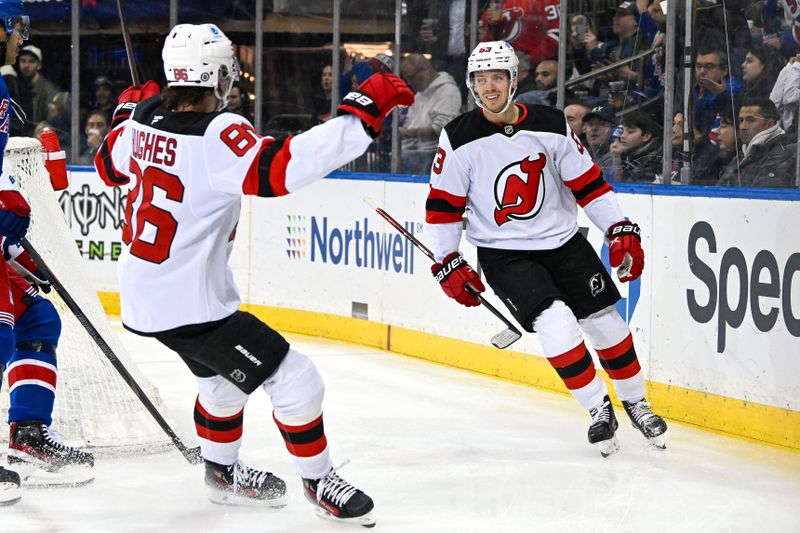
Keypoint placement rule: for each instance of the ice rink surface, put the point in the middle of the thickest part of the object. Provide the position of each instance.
(439, 450)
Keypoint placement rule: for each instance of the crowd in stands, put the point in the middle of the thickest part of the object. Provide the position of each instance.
(741, 118)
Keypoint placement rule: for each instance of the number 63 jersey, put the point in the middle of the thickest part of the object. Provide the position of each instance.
(186, 173)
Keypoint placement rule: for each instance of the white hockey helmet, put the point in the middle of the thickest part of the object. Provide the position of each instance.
(493, 55)
(200, 55)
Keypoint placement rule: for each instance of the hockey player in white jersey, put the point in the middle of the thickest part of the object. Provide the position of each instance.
(186, 165)
(519, 173)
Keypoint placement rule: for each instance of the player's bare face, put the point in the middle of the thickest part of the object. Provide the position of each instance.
(493, 87)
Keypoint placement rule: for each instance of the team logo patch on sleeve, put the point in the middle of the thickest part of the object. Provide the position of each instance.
(519, 190)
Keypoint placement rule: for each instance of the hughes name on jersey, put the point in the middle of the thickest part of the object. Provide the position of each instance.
(519, 184)
(185, 174)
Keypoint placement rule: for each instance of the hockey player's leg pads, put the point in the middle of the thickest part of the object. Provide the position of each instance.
(375, 98)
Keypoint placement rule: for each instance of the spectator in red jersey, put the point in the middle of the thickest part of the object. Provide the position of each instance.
(530, 26)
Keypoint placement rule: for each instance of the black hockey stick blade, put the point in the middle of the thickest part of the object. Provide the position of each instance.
(192, 455)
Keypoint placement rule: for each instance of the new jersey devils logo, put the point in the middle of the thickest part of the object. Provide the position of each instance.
(519, 190)
(511, 24)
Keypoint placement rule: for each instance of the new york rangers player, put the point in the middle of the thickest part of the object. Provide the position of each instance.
(519, 173)
(29, 324)
(186, 164)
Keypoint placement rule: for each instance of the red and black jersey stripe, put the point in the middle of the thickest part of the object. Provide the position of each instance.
(620, 361)
(216, 428)
(267, 174)
(105, 164)
(307, 440)
(575, 367)
(443, 207)
(588, 186)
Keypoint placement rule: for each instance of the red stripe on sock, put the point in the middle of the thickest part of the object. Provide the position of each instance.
(39, 373)
(617, 349)
(626, 372)
(206, 414)
(582, 379)
(218, 436)
(567, 358)
(308, 450)
(297, 429)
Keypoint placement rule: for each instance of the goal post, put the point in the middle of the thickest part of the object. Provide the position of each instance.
(94, 408)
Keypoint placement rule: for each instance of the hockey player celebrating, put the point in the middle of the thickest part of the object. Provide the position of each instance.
(187, 164)
(519, 173)
(29, 325)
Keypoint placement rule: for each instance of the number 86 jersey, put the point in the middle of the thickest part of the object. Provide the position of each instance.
(186, 173)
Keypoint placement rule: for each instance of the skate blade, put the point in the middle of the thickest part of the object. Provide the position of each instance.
(9, 494)
(366, 520)
(35, 477)
(659, 442)
(608, 447)
(230, 498)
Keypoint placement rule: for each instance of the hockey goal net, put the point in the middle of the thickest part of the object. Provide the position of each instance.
(94, 407)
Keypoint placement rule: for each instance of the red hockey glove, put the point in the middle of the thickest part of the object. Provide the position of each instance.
(375, 98)
(136, 93)
(625, 250)
(15, 215)
(127, 101)
(453, 274)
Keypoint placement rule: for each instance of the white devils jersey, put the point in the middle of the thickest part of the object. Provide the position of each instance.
(185, 174)
(518, 184)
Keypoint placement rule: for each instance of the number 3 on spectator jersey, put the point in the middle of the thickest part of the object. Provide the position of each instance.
(438, 161)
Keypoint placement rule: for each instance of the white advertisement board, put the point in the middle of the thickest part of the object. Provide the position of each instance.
(717, 309)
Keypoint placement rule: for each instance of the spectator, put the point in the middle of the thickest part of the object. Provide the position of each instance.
(31, 90)
(627, 41)
(444, 33)
(575, 111)
(786, 94)
(530, 26)
(544, 91)
(238, 102)
(760, 71)
(103, 98)
(582, 40)
(641, 156)
(525, 82)
(58, 115)
(95, 130)
(436, 102)
(727, 142)
(598, 123)
(766, 161)
(715, 88)
(322, 100)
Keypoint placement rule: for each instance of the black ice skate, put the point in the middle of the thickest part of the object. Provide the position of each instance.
(645, 420)
(336, 499)
(238, 484)
(43, 460)
(9, 487)
(604, 425)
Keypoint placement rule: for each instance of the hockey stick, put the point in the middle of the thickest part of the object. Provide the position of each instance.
(126, 36)
(505, 338)
(191, 454)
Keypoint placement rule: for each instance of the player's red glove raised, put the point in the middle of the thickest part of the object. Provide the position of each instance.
(15, 215)
(375, 98)
(127, 101)
(625, 250)
(138, 93)
(453, 274)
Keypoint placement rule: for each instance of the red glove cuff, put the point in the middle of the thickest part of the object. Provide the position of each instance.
(14, 202)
